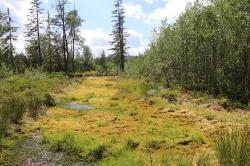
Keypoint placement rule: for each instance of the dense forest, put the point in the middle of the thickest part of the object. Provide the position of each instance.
(184, 101)
(206, 49)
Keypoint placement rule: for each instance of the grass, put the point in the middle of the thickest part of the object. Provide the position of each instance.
(21, 94)
(233, 147)
(125, 128)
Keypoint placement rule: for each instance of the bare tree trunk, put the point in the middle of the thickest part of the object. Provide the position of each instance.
(73, 53)
(38, 36)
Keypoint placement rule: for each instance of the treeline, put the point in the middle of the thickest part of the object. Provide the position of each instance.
(206, 49)
(54, 43)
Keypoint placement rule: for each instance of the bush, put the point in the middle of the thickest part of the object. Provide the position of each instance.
(35, 102)
(131, 144)
(15, 107)
(233, 147)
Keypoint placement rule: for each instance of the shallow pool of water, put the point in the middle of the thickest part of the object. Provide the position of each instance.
(76, 106)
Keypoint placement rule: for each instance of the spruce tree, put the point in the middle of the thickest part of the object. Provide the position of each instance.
(119, 35)
(34, 28)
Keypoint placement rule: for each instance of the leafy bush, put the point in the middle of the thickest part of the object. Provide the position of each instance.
(131, 144)
(233, 147)
(15, 107)
(35, 102)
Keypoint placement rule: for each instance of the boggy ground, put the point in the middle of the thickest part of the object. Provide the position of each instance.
(133, 123)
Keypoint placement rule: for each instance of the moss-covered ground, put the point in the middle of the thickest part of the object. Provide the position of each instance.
(133, 122)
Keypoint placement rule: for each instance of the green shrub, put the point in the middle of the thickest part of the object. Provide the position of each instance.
(35, 102)
(15, 106)
(49, 100)
(233, 147)
(131, 144)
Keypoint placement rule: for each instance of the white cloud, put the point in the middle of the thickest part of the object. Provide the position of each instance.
(18, 11)
(134, 11)
(149, 1)
(99, 40)
(171, 11)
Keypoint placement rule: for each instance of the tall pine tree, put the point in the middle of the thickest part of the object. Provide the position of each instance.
(119, 35)
(34, 28)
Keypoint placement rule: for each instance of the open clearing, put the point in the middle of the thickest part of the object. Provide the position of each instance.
(131, 123)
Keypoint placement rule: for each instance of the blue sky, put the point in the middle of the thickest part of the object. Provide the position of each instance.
(142, 16)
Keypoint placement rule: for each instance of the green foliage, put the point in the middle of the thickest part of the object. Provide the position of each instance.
(96, 153)
(35, 102)
(203, 159)
(170, 95)
(4, 124)
(154, 143)
(49, 100)
(122, 158)
(66, 144)
(196, 51)
(131, 144)
(145, 88)
(15, 107)
(233, 147)
(5, 72)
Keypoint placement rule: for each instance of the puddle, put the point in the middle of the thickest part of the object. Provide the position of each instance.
(77, 106)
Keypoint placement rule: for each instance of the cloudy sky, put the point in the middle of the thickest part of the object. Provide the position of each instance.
(142, 16)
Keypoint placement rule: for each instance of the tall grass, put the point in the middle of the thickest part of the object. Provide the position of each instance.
(233, 147)
(4, 124)
(15, 107)
(35, 101)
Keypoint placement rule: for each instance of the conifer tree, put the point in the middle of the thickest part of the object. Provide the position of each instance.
(34, 26)
(119, 35)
